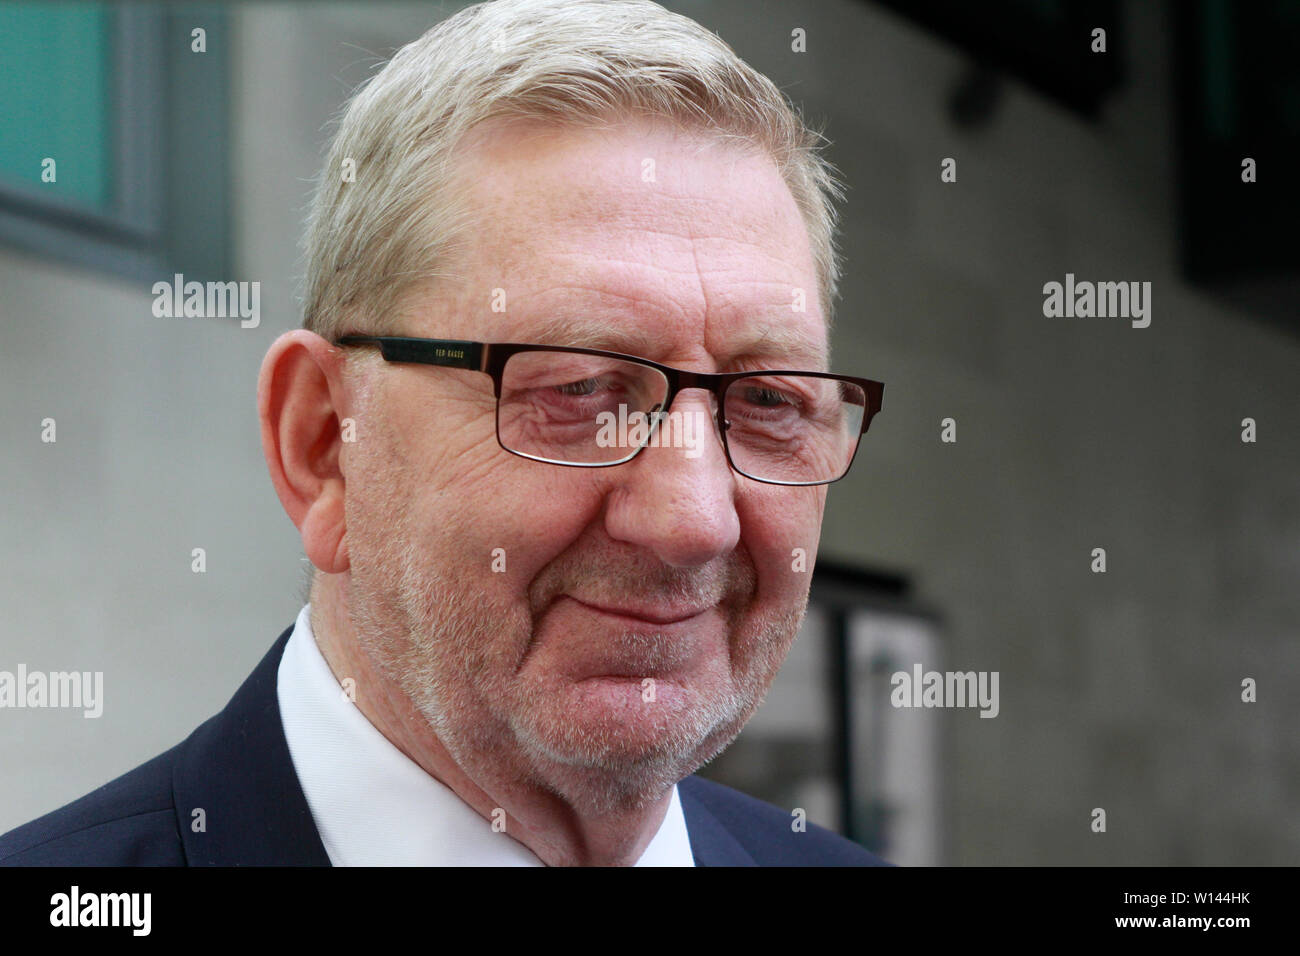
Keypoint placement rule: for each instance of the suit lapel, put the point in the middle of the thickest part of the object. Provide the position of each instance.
(711, 843)
(236, 768)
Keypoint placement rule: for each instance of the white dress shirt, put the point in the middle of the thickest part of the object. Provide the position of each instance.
(374, 806)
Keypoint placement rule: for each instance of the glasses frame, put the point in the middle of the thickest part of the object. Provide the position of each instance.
(491, 357)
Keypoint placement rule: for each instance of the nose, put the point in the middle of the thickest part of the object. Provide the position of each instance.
(673, 500)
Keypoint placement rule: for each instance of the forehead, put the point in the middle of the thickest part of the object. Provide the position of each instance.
(640, 238)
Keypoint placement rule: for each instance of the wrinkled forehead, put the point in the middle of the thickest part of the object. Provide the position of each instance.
(642, 237)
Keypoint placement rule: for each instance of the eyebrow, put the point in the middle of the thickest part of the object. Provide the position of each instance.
(772, 343)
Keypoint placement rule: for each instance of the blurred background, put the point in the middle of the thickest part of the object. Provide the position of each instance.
(1120, 690)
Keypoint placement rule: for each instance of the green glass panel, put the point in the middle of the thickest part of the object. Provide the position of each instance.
(54, 79)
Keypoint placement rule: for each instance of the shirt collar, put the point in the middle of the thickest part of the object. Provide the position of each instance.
(374, 806)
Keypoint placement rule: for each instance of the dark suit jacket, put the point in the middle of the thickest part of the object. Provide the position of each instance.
(236, 768)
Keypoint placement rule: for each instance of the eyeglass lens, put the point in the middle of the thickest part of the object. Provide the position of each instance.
(576, 409)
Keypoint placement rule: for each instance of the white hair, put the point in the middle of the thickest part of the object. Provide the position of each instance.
(577, 62)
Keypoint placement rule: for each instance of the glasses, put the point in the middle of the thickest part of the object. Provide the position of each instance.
(589, 408)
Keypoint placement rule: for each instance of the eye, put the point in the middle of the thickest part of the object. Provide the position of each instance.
(768, 397)
(764, 397)
(587, 386)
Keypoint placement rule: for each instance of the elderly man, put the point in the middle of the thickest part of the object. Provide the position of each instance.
(554, 432)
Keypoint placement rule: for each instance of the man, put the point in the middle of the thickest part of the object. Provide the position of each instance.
(530, 623)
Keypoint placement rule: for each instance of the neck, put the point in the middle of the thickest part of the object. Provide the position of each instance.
(534, 813)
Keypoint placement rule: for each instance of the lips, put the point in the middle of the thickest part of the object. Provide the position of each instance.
(659, 615)
(623, 641)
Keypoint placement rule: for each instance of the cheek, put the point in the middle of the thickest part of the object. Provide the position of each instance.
(781, 532)
(506, 522)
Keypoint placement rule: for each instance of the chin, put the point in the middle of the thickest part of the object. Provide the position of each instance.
(602, 767)
(623, 786)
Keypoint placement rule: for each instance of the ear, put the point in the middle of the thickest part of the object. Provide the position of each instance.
(300, 401)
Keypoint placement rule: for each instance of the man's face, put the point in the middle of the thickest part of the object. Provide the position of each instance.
(476, 575)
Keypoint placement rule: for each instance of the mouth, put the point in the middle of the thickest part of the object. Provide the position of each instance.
(623, 642)
(658, 615)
